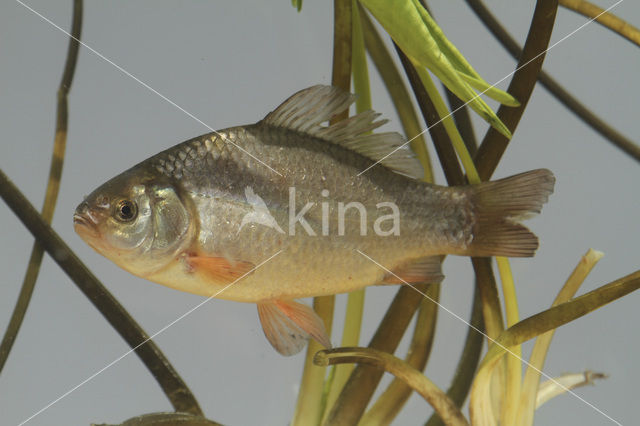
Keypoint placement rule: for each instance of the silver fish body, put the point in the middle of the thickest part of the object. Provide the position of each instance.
(211, 210)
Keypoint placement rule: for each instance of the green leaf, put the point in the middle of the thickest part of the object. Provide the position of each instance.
(460, 63)
(417, 34)
(297, 4)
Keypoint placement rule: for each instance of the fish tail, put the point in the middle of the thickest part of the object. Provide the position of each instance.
(500, 205)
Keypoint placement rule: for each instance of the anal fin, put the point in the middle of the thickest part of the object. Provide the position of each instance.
(288, 325)
(422, 270)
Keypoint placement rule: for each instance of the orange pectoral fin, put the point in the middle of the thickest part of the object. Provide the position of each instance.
(288, 325)
(219, 268)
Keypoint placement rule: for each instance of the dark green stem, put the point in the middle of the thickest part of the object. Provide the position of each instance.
(562, 95)
(173, 386)
(521, 86)
(463, 121)
(465, 371)
(53, 186)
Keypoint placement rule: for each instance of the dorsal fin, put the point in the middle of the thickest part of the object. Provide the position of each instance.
(306, 109)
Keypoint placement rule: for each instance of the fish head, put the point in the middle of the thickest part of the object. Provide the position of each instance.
(138, 221)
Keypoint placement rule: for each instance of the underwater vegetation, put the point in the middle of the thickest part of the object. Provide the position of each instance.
(498, 374)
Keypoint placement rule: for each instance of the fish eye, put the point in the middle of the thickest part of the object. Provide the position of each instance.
(126, 210)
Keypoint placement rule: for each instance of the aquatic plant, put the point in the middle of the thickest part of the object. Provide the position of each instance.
(499, 391)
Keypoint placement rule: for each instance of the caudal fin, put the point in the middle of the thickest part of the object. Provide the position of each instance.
(501, 205)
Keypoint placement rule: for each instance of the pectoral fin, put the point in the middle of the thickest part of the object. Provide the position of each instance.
(288, 325)
(218, 268)
(423, 270)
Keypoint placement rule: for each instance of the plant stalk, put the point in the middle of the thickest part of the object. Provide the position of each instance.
(53, 184)
(171, 383)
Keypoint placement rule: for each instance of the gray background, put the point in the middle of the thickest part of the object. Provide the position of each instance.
(230, 63)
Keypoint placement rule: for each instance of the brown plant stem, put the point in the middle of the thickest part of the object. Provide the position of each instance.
(173, 386)
(606, 19)
(570, 310)
(521, 86)
(453, 174)
(53, 186)
(342, 44)
(485, 280)
(390, 403)
(468, 363)
(555, 88)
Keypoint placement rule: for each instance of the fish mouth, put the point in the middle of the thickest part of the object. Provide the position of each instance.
(84, 223)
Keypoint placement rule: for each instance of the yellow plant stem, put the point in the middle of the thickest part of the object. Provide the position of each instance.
(604, 18)
(530, 386)
(397, 90)
(513, 383)
(536, 325)
(310, 407)
(514, 373)
(449, 124)
(312, 396)
(355, 300)
(350, 337)
(567, 382)
(359, 67)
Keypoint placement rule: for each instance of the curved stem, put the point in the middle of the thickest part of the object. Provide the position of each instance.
(531, 382)
(551, 388)
(536, 325)
(521, 86)
(173, 386)
(606, 19)
(53, 186)
(412, 377)
(364, 379)
(562, 95)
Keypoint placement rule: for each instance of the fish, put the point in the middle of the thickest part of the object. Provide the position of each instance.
(291, 207)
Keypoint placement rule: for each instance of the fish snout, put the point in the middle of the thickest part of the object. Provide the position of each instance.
(84, 223)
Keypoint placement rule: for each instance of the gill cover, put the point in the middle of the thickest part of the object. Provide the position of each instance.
(141, 227)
